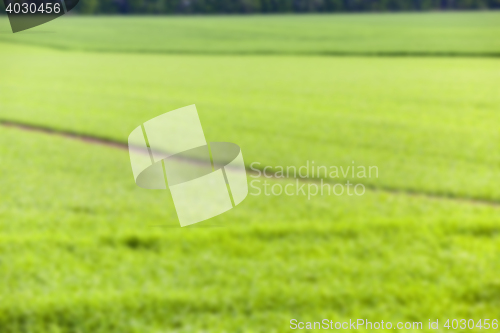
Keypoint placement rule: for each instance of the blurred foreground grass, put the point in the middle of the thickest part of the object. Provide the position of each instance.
(85, 250)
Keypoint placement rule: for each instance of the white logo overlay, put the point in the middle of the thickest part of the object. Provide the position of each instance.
(204, 179)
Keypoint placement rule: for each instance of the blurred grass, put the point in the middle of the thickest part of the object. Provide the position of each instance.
(457, 33)
(83, 249)
(428, 124)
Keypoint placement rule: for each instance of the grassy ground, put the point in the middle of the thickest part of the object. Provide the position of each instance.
(429, 124)
(382, 34)
(83, 249)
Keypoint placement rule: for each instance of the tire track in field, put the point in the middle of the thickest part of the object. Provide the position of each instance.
(264, 52)
(123, 146)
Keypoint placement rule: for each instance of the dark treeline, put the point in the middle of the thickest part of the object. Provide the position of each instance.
(271, 6)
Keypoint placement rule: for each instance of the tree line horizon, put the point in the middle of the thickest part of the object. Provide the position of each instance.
(272, 6)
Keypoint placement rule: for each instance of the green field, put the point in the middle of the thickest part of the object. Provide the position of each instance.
(455, 34)
(83, 249)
